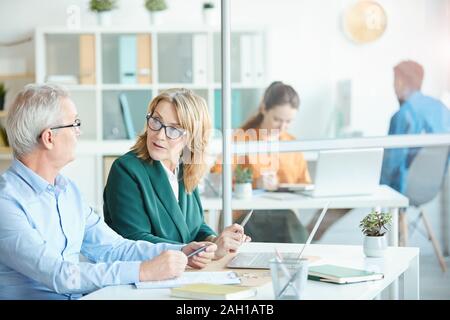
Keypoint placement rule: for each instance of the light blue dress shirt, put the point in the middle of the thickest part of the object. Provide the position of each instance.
(419, 114)
(43, 230)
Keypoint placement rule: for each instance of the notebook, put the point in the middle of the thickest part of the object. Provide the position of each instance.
(207, 291)
(216, 277)
(339, 274)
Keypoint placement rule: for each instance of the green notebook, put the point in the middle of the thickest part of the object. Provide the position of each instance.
(341, 275)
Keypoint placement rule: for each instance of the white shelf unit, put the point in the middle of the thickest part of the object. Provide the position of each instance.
(181, 56)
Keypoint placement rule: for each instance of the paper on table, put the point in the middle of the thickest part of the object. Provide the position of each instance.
(217, 277)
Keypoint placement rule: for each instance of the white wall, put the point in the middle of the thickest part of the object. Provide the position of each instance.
(307, 48)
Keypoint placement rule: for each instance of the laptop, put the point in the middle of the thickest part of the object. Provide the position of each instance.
(256, 260)
(261, 260)
(347, 172)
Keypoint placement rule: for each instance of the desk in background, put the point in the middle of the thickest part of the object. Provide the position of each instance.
(398, 263)
(384, 197)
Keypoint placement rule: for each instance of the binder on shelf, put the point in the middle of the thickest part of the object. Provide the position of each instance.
(126, 114)
(87, 59)
(127, 59)
(144, 58)
(199, 58)
(258, 60)
(246, 59)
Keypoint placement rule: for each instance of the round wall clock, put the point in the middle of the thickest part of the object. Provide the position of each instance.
(365, 21)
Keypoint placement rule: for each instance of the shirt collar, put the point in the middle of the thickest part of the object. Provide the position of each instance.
(36, 182)
(169, 172)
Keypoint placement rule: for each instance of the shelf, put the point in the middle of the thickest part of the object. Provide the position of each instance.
(5, 150)
(16, 76)
(119, 86)
(79, 87)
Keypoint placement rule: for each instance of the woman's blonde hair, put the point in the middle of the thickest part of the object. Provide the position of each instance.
(194, 117)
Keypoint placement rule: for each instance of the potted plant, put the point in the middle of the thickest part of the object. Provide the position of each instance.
(243, 182)
(103, 9)
(208, 13)
(374, 227)
(2, 95)
(155, 8)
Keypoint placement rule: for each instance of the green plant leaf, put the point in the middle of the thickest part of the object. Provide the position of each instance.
(375, 224)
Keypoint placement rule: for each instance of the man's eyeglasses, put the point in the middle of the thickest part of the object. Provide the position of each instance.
(171, 132)
(76, 124)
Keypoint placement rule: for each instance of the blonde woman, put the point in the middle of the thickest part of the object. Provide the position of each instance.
(151, 193)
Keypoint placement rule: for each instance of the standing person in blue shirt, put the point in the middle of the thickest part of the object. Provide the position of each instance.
(45, 225)
(418, 114)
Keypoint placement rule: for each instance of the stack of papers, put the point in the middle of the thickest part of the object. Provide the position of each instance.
(219, 277)
(338, 274)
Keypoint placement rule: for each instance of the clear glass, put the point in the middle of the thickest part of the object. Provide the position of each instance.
(345, 84)
(289, 278)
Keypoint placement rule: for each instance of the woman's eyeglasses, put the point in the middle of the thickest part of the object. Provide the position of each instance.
(171, 132)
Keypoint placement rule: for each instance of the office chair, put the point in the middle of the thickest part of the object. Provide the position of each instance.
(424, 181)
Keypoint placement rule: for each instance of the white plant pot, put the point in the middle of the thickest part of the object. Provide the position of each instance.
(243, 190)
(156, 17)
(104, 18)
(375, 246)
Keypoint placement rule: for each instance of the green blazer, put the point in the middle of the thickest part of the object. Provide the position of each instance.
(139, 204)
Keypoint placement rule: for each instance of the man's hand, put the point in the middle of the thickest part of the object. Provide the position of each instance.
(230, 239)
(200, 260)
(167, 265)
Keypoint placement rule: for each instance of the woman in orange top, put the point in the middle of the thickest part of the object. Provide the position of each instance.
(277, 110)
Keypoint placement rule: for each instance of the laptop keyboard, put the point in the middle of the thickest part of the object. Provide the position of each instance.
(257, 260)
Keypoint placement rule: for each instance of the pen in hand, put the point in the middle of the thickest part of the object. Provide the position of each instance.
(244, 222)
(193, 253)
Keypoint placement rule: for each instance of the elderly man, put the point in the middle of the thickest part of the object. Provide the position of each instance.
(418, 113)
(45, 224)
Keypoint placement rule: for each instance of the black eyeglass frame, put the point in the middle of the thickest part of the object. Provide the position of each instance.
(163, 126)
(76, 124)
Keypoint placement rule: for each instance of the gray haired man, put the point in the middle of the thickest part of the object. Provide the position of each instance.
(45, 223)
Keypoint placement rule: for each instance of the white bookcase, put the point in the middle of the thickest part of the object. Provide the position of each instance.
(92, 63)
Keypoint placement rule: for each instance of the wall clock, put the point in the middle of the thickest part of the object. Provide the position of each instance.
(365, 21)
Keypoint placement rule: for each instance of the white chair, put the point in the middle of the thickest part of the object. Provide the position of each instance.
(424, 181)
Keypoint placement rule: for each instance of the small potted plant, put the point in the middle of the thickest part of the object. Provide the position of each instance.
(155, 8)
(374, 227)
(103, 9)
(208, 13)
(2, 95)
(243, 182)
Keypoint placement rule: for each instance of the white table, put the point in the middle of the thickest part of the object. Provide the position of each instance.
(384, 197)
(397, 263)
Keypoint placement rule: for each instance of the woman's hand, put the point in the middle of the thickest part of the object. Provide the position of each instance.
(230, 239)
(201, 259)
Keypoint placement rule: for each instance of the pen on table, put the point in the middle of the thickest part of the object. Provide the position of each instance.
(197, 251)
